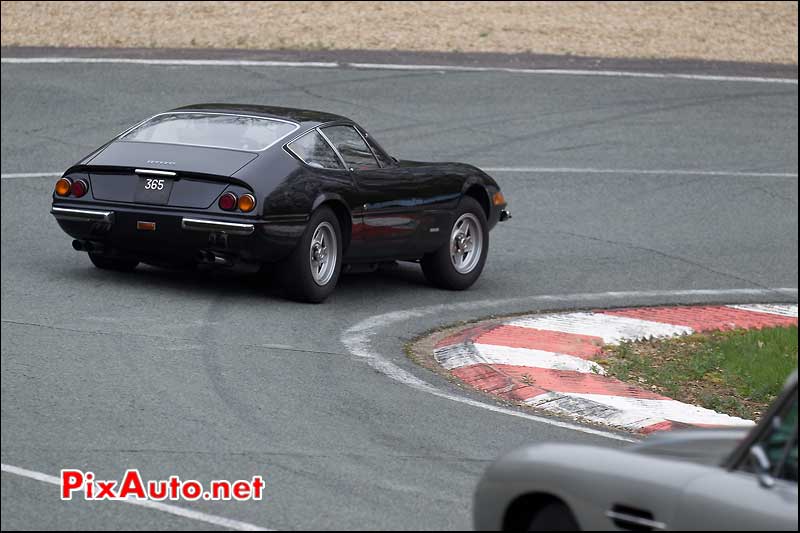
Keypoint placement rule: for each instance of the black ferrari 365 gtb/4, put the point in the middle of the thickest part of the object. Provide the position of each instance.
(245, 184)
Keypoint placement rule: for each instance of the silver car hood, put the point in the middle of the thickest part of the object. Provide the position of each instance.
(700, 446)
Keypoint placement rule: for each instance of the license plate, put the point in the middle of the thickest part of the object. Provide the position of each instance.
(153, 190)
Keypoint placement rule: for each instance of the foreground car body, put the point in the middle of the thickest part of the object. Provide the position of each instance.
(687, 480)
(250, 185)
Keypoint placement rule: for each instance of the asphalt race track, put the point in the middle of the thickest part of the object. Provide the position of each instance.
(212, 376)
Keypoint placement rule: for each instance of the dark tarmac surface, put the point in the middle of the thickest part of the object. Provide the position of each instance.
(214, 376)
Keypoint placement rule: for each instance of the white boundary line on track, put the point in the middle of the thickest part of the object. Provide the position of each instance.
(358, 338)
(149, 504)
(541, 170)
(674, 172)
(391, 66)
(24, 175)
(168, 62)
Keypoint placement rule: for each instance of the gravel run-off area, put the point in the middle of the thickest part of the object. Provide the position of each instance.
(734, 31)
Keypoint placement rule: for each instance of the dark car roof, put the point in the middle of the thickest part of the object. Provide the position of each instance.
(306, 117)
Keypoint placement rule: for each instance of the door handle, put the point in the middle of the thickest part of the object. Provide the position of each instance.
(629, 521)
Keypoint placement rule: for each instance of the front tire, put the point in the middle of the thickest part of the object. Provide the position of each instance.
(118, 264)
(312, 270)
(554, 516)
(458, 263)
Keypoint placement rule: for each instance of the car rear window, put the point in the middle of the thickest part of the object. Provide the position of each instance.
(233, 132)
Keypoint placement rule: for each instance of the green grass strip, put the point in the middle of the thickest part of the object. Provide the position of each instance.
(735, 372)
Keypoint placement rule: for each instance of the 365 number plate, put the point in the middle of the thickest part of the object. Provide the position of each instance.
(153, 190)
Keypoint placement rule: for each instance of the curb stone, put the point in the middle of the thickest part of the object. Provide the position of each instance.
(547, 361)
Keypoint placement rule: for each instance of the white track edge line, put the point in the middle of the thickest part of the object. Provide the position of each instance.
(676, 172)
(168, 62)
(24, 175)
(575, 72)
(391, 66)
(150, 504)
(357, 338)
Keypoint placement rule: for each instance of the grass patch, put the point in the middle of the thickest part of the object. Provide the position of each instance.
(735, 372)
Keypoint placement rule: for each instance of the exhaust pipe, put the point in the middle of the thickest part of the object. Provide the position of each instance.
(221, 260)
(88, 246)
(211, 258)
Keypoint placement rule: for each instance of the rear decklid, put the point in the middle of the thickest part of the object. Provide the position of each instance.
(173, 157)
(200, 173)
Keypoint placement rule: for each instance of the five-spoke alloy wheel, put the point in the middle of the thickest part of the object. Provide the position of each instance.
(466, 243)
(323, 253)
(459, 262)
(310, 273)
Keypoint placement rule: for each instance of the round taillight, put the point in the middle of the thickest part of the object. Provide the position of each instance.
(247, 203)
(227, 201)
(63, 187)
(79, 188)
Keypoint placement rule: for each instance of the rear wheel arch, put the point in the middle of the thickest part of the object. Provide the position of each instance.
(310, 273)
(342, 212)
(524, 509)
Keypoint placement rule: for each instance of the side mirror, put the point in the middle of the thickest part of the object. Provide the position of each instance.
(762, 466)
(394, 159)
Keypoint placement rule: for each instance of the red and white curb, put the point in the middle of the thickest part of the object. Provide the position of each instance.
(546, 361)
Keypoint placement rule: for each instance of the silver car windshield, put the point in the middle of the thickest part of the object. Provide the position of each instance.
(216, 130)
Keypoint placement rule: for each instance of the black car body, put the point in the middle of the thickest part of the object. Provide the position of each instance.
(155, 192)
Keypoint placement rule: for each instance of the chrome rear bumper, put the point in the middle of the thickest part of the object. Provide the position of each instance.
(202, 224)
(82, 215)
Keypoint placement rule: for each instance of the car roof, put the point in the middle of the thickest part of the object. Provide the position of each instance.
(304, 117)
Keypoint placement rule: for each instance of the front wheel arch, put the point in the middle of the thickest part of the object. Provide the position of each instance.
(440, 266)
(480, 194)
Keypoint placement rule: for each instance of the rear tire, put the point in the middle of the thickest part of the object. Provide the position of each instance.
(458, 263)
(113, 263)
(312, 270)
(554, 516)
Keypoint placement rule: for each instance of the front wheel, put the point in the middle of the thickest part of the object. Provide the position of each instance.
(458, 263)
(312, 270)
(113, 263)
(554, 516)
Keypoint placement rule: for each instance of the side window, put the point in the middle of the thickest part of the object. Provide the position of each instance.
(314, 151)
(789, 468)
(351, 147)
(382, 156)
(780, 442)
